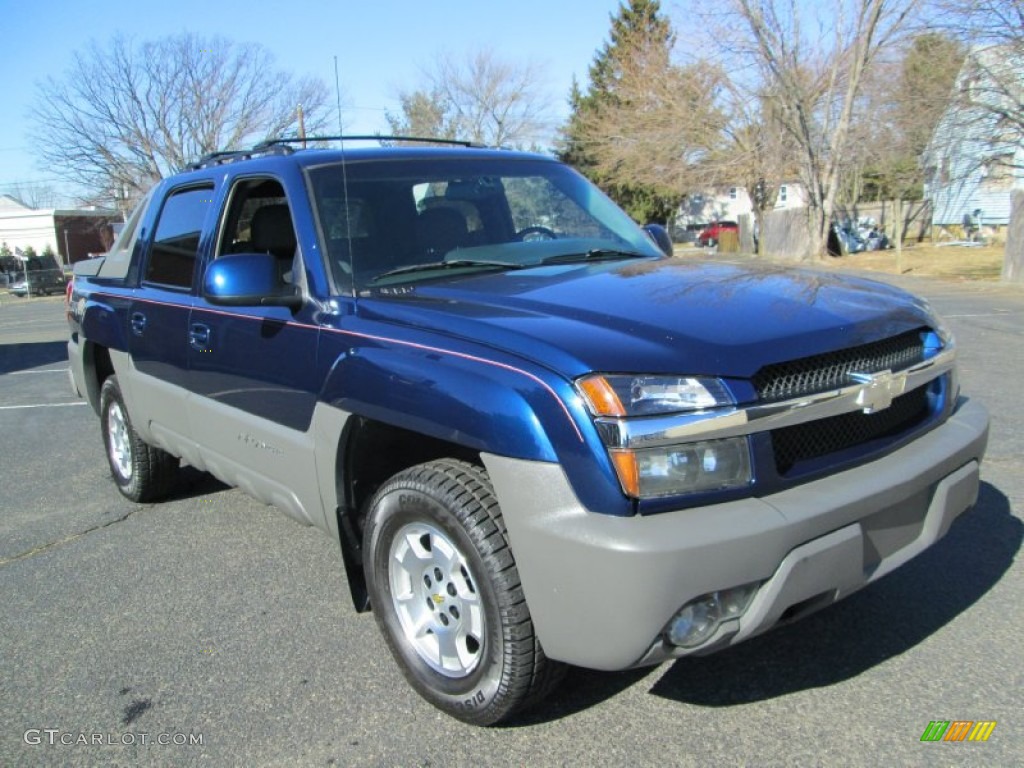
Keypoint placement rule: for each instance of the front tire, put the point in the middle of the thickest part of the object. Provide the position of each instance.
(140, 471)
(446, 594)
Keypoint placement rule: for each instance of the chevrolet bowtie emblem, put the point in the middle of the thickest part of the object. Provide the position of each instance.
(879, 389)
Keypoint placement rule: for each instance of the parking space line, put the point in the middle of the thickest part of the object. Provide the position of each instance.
(47, 370)
(997, 313)
(39, 405)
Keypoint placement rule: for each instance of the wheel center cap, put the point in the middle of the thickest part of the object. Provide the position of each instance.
(438, 599)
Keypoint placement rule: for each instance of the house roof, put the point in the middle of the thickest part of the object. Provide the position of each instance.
(12, 207)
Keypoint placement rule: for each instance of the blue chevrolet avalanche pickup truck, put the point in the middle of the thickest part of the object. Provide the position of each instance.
(537, 439)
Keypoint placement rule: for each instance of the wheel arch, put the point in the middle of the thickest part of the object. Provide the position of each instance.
(369, 453)
(98, 367)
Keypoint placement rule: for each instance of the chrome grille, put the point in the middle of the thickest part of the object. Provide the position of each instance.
(820, 373)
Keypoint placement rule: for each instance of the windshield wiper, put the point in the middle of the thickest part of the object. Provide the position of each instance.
(453, 264)
(595, 254)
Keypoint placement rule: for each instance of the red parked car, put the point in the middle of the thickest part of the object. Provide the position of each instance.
(712, 232)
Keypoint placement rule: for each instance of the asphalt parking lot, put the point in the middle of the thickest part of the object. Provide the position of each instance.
(212, 628)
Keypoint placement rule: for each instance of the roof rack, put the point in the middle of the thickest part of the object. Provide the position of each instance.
(282, 146)
(284, 141)
(230, 155)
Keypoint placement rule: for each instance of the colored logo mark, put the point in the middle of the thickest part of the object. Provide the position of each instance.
(958, 730)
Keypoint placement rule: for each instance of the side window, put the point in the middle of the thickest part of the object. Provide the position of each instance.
(259, 220)
(172, 258)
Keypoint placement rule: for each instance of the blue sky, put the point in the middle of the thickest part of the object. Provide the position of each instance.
(381, 47)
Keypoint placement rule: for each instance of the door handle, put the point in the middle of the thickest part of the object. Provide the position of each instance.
(138, 323)
(199, 336)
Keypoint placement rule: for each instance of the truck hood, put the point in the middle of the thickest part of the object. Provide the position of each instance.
(654, 316)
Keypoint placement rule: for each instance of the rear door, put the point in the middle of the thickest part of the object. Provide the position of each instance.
(158, 320)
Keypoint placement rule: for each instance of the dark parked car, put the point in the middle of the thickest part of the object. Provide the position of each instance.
(710, 235)
(41, 276)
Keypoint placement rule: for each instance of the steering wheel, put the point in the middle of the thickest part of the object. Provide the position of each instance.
(536, 233)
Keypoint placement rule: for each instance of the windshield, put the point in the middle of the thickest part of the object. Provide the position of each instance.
(399, 221)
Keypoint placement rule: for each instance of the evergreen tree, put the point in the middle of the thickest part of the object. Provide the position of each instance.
(639, 31)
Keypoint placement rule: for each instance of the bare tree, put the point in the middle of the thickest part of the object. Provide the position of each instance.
(993, 83)
(126, 115)
(479, 97)
(806, 67)
(987, 24)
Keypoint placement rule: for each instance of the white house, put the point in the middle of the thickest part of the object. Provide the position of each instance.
(725, 203)
(729, 202)
(72, 234)
(790, 194)
(975, 158)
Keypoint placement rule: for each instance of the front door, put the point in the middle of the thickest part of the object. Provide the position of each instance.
(253, 369)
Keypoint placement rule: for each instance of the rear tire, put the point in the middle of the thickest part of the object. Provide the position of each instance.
(446, 594)
(140, 471)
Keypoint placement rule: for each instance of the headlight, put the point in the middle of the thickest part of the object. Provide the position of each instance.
(675, 469)
(625, 395)
(708, 465)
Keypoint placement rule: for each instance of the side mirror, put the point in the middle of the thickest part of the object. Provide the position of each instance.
(659, 235)
(248, 280)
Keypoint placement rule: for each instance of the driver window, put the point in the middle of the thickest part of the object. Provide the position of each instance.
(259, 221)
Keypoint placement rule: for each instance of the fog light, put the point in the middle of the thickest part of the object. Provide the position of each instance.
(694, 623)
(700, 618)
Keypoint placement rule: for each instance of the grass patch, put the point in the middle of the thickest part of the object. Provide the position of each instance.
(950, 261)
(924, 260)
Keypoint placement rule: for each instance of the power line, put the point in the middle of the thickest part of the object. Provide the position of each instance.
(40, 180)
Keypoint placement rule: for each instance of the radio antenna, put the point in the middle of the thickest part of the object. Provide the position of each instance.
(337, 92)
(344, 185)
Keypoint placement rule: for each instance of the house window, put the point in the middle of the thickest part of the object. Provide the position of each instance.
(732, 193)
(783, 193)
(944, 172)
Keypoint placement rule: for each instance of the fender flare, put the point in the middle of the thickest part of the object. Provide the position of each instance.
(470, 400)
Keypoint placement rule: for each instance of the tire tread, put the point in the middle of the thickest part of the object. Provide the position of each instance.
(154, 471)
(528, 675)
